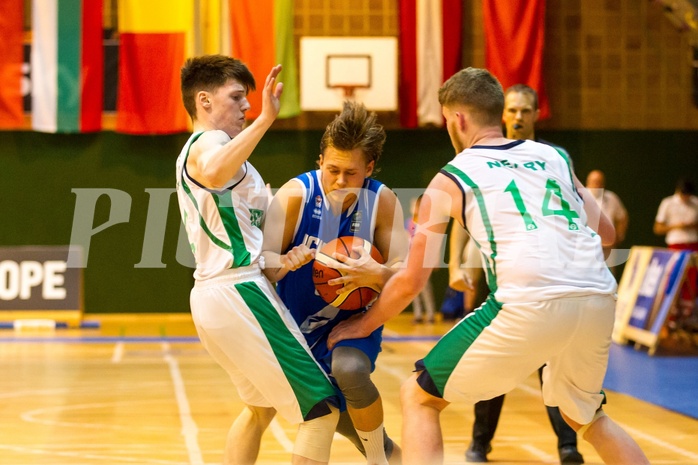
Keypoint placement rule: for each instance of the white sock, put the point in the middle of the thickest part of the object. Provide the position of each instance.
(373, 444)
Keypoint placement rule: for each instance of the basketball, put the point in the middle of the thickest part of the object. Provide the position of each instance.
(323, 271)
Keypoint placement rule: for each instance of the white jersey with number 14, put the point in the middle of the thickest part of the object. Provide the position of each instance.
(526, 216)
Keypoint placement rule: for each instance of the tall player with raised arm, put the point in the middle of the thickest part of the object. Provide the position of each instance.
(240, 319)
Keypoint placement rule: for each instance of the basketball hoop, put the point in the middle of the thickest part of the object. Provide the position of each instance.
(337, 69)
(348, 72)
(349, 89)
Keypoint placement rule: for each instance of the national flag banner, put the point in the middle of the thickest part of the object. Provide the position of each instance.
(262, 36)
(212, 28)
(514, 44)
(67, 66)
(430, 51)
(153, 45)
(11, 31)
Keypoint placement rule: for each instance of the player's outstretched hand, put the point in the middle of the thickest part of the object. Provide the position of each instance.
(297, 257)
(271, 94)
(362, 271)
(348, 329)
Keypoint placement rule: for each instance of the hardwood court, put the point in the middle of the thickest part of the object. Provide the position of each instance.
(141, 390)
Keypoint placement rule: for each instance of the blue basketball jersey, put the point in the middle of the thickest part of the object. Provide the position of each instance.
(317, 226)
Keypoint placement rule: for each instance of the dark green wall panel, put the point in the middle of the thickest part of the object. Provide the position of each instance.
(39, 172)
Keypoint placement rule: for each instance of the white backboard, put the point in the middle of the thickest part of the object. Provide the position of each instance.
(329, 64)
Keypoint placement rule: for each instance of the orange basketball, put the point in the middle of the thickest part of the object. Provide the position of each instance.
(323, 271)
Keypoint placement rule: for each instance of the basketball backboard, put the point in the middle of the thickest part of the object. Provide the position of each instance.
(334, 69)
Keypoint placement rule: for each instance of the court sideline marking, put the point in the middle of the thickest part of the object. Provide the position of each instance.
(190, 430)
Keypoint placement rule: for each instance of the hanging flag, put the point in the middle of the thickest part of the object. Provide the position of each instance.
(153, 45)
(212, 28)
(514, 44)
(262, 34)
(430, 51)
(67, 65)
(11, 109)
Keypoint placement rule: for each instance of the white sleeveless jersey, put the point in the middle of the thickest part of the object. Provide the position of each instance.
(526, 216)
(223, 227)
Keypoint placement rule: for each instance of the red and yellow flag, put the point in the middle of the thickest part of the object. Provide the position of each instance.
(153, 48)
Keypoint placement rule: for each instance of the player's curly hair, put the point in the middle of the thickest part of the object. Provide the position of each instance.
(209, 72)
(355, 128)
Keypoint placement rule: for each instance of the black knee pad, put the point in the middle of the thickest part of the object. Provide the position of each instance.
(351, 368)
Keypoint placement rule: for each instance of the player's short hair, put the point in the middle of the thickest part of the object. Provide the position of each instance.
(208, 73)
(355, 127)
(477, 90)
(523, 89)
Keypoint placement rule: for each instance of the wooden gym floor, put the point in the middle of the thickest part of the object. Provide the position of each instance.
(141, 390)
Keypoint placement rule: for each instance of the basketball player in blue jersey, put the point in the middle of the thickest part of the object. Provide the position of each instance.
(240, 319)
(339, 199)
(552, 298)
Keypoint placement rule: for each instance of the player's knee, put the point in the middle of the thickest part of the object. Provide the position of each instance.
(314, 437)
(573, 424)
(583, 429)
(351, 368)
(262, 415)
(412, 394)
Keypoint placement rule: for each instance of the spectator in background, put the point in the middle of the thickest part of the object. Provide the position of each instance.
(677, 219)
(610, 204)
(425, 300)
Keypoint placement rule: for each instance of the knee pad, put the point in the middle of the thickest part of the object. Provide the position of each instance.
(351, 368)
(314, 438)
(599, 414)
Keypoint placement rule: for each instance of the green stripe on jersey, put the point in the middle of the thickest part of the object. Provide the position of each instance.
(226, 210)
(444, 357)
(491, 262)
(306, 378)
(566, 156)
(237, 247)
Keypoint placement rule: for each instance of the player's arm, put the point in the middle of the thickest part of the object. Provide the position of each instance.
(215, 158)
(597, 219)
(279, 227)
(441, 201)
(457, 240)
(391, 240)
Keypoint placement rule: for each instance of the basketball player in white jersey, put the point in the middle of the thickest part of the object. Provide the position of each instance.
(551, 295)
(240, 319)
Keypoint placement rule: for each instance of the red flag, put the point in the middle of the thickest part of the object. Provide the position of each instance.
(11, 58)
(152, 50)
(514, 44)
(430, 51)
